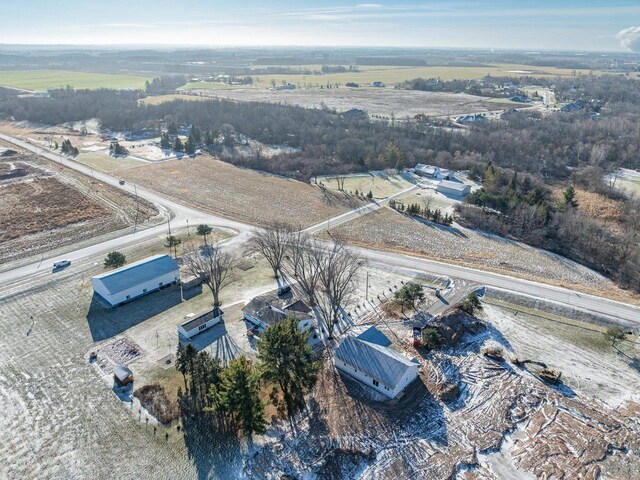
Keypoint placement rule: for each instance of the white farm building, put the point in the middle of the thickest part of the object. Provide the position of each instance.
(369, 359)
(136, 279)
(456, 189)
(200, 323)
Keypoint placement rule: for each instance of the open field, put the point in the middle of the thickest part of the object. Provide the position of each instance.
(158, 99)
(46, 79)
(237, 193)
(44, 207)
(375, 101)
(386, 229)
(395, 74)
(628, 181)
(380, 183)
(431, 199)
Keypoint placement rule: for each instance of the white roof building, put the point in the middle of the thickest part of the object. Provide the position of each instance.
(368, 358)
(200, 323)
(136, 279)
(455, 189)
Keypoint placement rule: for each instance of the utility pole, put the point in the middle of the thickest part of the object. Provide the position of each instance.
(135, 226)
(367, 290)
(188, 234)
(169, 222)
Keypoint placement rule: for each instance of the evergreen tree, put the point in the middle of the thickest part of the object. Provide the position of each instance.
(204, 230)
(177, 146)
(569, 198)
(114, 260)
(165, 142)
(190, 146)
(287, 360)
(172, 242)
(239, 395)
(408, 295)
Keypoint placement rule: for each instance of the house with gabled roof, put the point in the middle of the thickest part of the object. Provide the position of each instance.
(368, 358)
(266, 310)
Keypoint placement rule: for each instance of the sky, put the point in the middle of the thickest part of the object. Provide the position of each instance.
(588, 25)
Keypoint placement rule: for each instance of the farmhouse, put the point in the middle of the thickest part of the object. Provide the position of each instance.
(200, 323)
(135, 280)
(266, 310)
(368, 358)
(456, 189)
(426, 170)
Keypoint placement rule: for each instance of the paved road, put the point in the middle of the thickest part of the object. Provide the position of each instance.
(180, 214)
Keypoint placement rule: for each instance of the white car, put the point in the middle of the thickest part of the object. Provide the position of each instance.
(61, 264)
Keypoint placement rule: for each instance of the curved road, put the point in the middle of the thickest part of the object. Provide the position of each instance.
(180, 214)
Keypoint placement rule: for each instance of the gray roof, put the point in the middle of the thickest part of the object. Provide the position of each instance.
(129, 276)
(270, 309)
(201, 319)
(122, 372)
(458, 186)
(373, 335)
(380, 363)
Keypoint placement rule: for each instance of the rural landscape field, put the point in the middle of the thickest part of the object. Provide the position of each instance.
(320, 241)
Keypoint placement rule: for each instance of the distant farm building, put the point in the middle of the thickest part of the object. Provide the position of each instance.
(355, 114)
(132, 281)
(288, 86)
(267, 310)
(368, 358)
(465, 119)
(456, 189)
(430, 171)
(201, 322)
(377, 84)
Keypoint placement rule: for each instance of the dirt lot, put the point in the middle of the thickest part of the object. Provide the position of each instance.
(375, 101)
(392, 230)
(44, 206)
(242, 194)
(505, 424)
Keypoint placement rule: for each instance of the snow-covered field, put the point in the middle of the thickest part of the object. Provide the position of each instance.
(60, 419)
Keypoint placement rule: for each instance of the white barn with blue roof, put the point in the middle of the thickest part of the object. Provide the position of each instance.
(368, 358)
(136, 279)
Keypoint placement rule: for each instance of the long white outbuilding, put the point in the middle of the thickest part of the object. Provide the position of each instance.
(127, 283)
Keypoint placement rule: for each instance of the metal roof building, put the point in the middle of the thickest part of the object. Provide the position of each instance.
(368, 359)
(456, 189)
(136, 279)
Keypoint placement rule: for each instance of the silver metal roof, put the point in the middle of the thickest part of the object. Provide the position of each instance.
(129, 276)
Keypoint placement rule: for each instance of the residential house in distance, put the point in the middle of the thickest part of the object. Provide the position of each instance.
(377, 84)
(430, 171)
(369, 359)
(132, 281)
(465, 119)
(456, 189)
(201, 322)
(267, 310)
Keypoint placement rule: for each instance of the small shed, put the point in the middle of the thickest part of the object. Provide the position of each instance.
(201, 322)
(122, 375)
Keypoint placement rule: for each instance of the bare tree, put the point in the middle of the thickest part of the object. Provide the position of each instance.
(213, 267)
(338, 269)
(303, 261)
(272, 244)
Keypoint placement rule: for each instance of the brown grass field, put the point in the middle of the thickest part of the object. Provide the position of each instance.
(238, 193)
(390, 230)
(44, 207)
